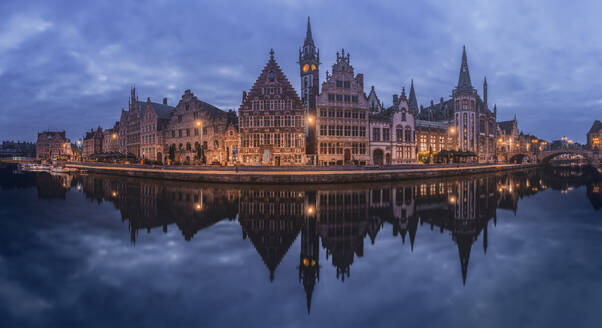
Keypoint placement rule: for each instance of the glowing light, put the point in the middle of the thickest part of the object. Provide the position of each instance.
(305, 68)
(310, 210)
(310, 119)
(198, 206)
(305, 262)
(198, 123)
(114, 193)
(114, 136)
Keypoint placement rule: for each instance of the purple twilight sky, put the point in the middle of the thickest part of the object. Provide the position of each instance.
(69, 64)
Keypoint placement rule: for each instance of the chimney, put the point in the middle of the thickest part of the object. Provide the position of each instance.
(165, 101)
(360, 80)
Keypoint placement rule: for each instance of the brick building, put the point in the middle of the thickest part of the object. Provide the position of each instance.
(342, 120)
(272, 121)
(93, 142)
(53, 145)
(196, 132)
(153, 124)
(110, 141)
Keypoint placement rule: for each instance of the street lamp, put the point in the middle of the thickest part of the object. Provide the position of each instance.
(310, 119)
(198, 123)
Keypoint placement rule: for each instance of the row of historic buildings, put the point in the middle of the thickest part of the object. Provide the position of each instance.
(332, 122)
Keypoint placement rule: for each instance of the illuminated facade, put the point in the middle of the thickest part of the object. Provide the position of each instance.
(342, 122)
(594, 136)
(272, 121)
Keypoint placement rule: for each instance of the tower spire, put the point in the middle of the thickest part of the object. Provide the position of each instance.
(464, 83)
(412, 102)
(308, 37)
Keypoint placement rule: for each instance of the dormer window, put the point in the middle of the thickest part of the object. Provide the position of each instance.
(271, 76)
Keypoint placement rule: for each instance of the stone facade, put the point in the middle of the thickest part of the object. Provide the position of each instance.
(392, 139)
(52, 145)
(474, 124)
(433, 137)
(342, 122)
(110, 142)
(93, 143)
(153, 124)
(594, 135)
(196, 132)
(508, 142)
(272, 121)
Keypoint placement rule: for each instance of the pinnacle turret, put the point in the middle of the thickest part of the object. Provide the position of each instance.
(412, 102)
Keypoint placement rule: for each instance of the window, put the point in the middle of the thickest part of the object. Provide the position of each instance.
(355, 114)
(339, 130)
(362, 131)
(323, 112)
(196, 131)
(347, 130)
(267, 139)
(188, 132)
(216, 144)
(297, 121)
(408, 134)
(330, 97)
(347, 98)
(403, 117)
(376, 134)
(173, 133)
(339, 84)
(346, 84)
(331, 130)
(323, 148)
(180, 133)
(331, 113)
(422, 143)
(386, 134)
(339, 113)
(287, 121)
(276, 121)
(277, 139)
(347, 114)
(323, 130)
(354, 131)
(339, 97)
(180, 117)
(354, 99)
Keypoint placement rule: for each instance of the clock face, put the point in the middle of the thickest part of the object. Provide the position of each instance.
(305, 68)
(313, 67)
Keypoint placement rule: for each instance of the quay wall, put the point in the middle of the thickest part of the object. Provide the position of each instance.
(296, 175)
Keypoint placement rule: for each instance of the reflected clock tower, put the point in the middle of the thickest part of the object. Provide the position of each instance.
(309, 61)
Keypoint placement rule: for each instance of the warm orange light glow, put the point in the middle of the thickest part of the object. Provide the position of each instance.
(198, 207)
(305, 68)
(305, 262)
(197, 123)
(310, 119)
(313, 67)
(114, 194)
(310, 210)
(114, 136)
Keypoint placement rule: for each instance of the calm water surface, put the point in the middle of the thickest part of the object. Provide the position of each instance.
(506, 250)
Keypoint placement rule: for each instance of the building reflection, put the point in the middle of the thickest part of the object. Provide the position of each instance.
(342, 217)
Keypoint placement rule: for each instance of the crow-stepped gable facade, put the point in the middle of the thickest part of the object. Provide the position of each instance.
(272, 121)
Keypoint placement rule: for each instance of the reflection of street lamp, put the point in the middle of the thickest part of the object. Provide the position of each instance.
(310, 210)
(198, 123)
(310, 119)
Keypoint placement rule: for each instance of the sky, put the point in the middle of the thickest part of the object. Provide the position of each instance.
(69, 65)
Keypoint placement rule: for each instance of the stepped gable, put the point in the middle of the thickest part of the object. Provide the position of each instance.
(272, 76)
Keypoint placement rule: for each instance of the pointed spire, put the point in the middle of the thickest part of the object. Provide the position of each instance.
(464, 83)
(413, 103)
(308, 37)
(271, 53)
(403, 94)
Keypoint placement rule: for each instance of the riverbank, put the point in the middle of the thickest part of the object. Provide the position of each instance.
(297, 175)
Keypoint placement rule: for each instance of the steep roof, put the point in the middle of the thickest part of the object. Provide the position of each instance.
(464, 84)
(596, 127)
(507, 126)
(162, 111)
(412, 102)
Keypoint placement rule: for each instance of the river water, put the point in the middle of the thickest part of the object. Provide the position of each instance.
(519, 249)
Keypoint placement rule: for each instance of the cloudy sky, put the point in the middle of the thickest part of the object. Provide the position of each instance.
(70, 64)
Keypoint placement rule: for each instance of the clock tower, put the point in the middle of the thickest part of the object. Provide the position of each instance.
(309, 61)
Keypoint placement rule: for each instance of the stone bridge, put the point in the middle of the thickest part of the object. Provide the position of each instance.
(593, 157)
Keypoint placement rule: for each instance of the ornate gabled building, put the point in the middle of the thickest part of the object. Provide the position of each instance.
(153, 125)
(373, 102)
(343, 121)
(53, 145)
(110, 141)
(196, 132)
(93, 142)
(469, 115)
(508, 140)
(272, 121)
(392, 138)
(309, 69)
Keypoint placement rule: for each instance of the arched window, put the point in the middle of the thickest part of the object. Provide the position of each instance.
(399, 133)
(403, 116)
(180, 146)
(408, 134)
(216, 144)
(188, 147)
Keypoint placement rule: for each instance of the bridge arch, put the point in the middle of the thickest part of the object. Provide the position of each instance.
(519, 158)
(547, 156)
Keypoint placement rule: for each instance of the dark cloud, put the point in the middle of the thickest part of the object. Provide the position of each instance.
(69, 65)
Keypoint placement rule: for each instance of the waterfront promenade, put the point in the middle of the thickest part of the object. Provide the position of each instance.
(293, 175)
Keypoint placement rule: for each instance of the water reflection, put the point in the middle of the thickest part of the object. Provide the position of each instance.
(342, 217)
